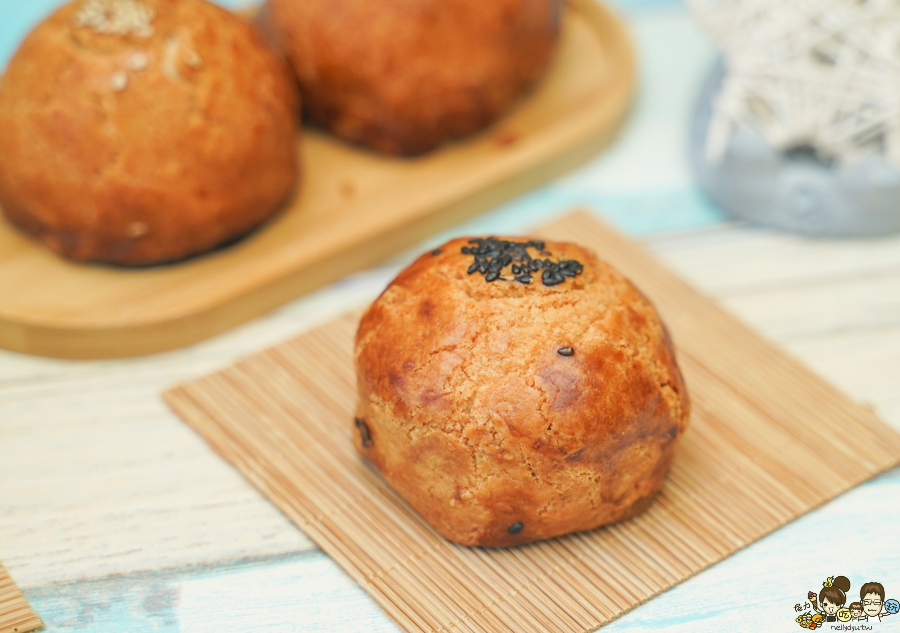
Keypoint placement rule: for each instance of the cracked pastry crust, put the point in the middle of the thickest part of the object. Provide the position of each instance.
(145, 131)
(404, 76)
(473, 408)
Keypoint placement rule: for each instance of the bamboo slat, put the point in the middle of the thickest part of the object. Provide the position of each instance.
(16, 615)
(768, 441)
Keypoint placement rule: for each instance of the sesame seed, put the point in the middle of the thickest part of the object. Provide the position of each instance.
(364, 433)
(115, 17)
(138, 61)
(170, 57)
(138, 229)
(437, 251)
(118, 82)
(192, 59)
(565, 351)
(515, 528)
(492, 255)
(551, 278)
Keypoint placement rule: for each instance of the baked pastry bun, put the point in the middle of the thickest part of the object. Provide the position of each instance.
(144, 131)
(403, 76)
(516, 390)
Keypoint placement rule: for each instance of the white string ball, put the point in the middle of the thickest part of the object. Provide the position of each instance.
(818, 73)
(799, 125)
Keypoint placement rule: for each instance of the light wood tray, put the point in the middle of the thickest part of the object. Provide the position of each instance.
(16, 615)
(354, 209)
(768, 441)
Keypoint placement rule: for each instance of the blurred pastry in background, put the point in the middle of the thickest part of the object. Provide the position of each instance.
(144, 131)
(404, 76)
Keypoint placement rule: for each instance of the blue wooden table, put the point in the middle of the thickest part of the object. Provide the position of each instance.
(115, 517)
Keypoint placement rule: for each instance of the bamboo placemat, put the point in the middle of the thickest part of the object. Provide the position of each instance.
(768, 441)
(16, 615)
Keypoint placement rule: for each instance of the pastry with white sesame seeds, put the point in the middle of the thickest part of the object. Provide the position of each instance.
(514, 390)
(404, 76)
(138, 132)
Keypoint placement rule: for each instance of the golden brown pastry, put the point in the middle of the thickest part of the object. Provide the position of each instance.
(144, 131)
(403, 76)
(516, 390)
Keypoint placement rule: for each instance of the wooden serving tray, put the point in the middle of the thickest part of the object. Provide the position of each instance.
(354, 209)
(768, 441)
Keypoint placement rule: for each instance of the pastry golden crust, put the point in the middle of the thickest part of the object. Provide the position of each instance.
(144, 131)
(403, 76)
(510, 411)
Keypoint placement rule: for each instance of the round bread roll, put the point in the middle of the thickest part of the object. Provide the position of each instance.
(144, 131)
(403, 76)
(516, 390)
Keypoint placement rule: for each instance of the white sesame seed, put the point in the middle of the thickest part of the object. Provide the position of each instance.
(192, 59)
(115, 17)
(138, 229)
(118, 81)
(138, 61)
(170, 57)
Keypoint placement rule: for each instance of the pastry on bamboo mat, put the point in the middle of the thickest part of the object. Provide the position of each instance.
(768, 441)
(16, 615)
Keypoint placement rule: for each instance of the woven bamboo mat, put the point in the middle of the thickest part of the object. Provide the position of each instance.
(15, 614)
(768, 441)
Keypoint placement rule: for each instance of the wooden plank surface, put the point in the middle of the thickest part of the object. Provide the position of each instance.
(283, 418)
(353, 210)
(16, 616)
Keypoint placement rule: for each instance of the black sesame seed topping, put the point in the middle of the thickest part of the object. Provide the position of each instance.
(436, 251)
(515, 528)
(570, 268)
(492, 255)
(551, 278)
(364, 433)
(565, 351)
